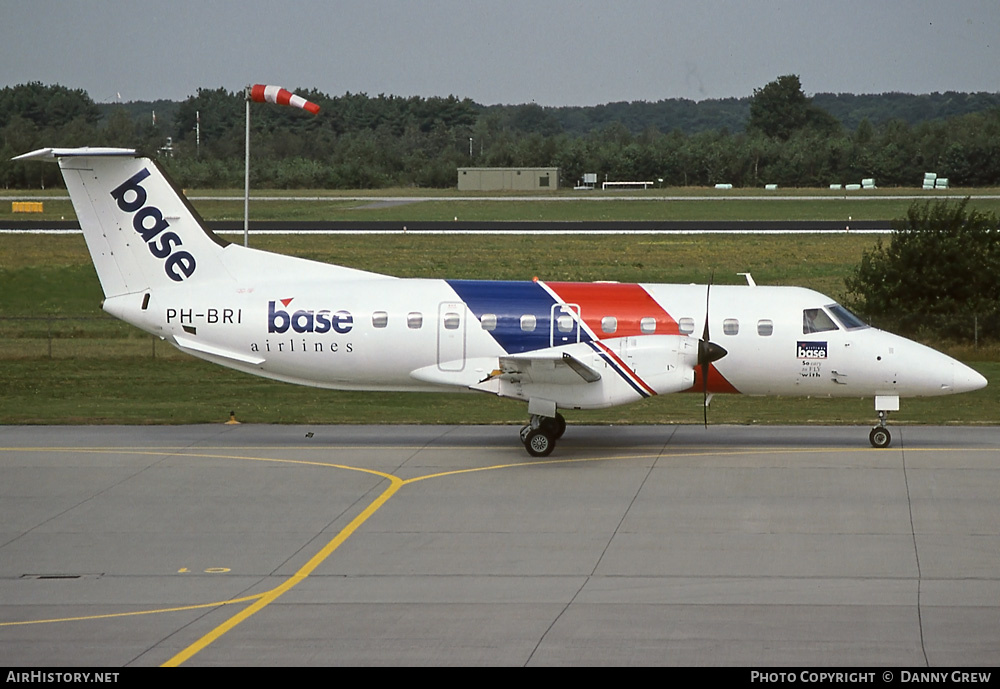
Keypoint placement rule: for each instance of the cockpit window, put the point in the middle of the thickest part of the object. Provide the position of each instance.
(846, 318)
(816, 321)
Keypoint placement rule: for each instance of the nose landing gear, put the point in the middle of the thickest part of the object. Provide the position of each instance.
(880, 437)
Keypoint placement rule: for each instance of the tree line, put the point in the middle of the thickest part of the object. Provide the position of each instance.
(937, 278)
(777, 136)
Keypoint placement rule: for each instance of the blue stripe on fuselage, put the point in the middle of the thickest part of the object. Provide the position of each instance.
(509, 301)
(618, 369)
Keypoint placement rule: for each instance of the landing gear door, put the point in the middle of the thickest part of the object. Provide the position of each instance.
(451, 336)
(564, 326)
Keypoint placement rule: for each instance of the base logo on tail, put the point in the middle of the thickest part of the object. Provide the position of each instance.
(149, 223)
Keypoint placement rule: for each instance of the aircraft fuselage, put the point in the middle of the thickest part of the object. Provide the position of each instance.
(417, 334)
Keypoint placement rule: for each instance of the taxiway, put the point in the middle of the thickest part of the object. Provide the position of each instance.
(441, 545)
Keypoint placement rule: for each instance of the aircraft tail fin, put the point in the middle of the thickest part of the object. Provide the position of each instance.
(140, 230)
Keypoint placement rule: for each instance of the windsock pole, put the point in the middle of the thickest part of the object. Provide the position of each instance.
(246, 178)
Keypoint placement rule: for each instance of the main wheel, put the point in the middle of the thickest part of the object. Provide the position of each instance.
(880, 437)
(539, 443)
(554, 426)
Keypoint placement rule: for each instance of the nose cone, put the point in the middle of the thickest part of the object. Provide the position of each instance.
(914, 370)
(966, 379)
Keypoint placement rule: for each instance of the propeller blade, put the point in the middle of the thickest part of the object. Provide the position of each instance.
(704, 392)
(703, 352)
(708, 293)
(708, 351)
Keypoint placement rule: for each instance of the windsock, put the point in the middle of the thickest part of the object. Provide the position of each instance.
(260, 93)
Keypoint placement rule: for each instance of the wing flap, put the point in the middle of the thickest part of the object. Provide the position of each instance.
(555, 368)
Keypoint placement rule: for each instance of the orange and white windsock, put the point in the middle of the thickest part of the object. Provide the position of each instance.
(260, 93)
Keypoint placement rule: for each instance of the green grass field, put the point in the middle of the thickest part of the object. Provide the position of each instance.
(62, 360)
(665, 205)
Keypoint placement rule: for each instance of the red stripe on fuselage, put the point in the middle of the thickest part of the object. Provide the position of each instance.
(629, 303)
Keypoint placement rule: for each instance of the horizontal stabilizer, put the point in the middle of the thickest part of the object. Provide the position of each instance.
(56, 153)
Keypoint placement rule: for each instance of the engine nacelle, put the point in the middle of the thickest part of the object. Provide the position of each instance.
(666, 363)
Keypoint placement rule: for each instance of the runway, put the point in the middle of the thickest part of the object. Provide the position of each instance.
(447, 545)
(501, 227)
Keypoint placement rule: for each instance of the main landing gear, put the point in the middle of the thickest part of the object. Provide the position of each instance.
(541, 433)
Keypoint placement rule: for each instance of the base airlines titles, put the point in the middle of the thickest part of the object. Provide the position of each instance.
(301, 321)
(305, 321)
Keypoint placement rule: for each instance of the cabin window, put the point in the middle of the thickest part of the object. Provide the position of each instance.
(565, 324)
(451, 321)
(731, 326)
(765, 327)
(609, 324)
(414, 320)
(686, 326)
(527, 322)
(816, 321)
(380, 319)
(647, 325)
(488, 321)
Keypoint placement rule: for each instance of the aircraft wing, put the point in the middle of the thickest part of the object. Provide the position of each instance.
(546, 367)
(552, 368)
(582, 375)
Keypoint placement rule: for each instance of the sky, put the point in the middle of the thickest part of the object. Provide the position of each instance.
(550, 52)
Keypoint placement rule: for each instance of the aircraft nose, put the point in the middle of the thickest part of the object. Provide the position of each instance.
(967, 379)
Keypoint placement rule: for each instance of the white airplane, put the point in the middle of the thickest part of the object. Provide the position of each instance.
(555, 345)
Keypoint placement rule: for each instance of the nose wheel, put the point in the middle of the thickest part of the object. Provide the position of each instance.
(880, 437)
